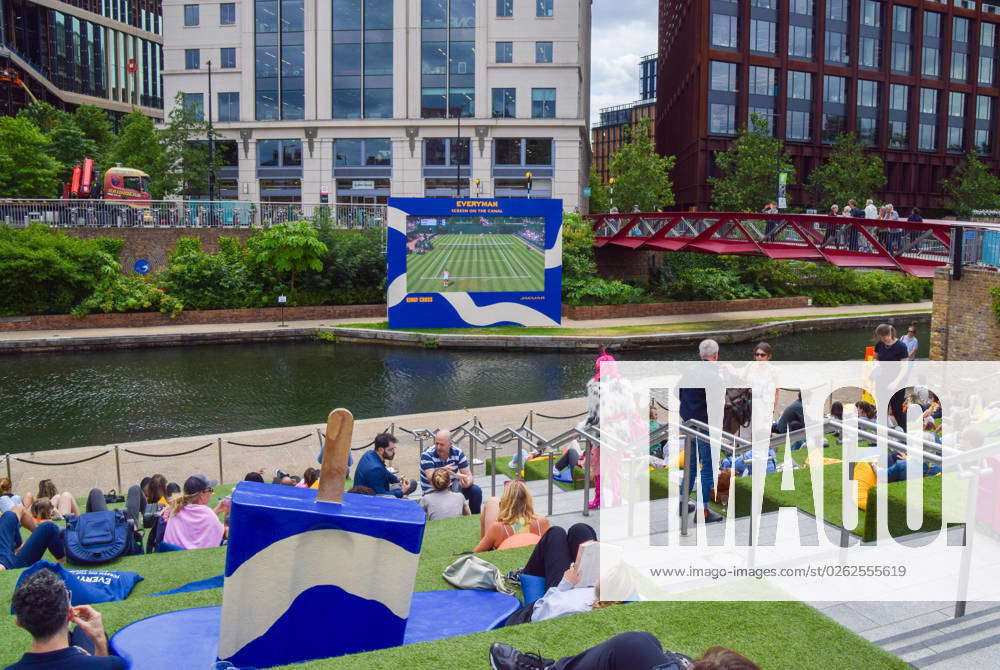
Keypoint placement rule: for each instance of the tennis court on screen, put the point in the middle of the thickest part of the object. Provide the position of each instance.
(477, 262)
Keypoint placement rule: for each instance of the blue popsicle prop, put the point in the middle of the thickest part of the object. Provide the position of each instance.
(317, 573)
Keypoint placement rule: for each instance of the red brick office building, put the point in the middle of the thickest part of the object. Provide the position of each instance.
(915, 79)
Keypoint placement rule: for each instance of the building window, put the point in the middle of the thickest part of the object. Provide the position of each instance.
(279, 153)
(871, 13)
(927, 137)
(928, 101)
(900, 57)
(867, 93)
(956, 140)
(192, 59)
(932, 24)
(836, 47)
(959, 65)
(724, 31)
(504, 103)
(833, 125)
(799, 85)
(902, 18)
(227, 13)
(899, 137)
(930, 65)
(898, 97)
(834, 89)
(956, 104)
(836, 10)
(722, 119)
(448, 81)
(229, 107)
(505, 9)
(543, 7)
(803, 7)
(800, 42)
(983, 140)
(446, 151)
(765, 4)
(870, 52)
(362, 153)
(798, 128)
(723, 76)
(195, 102)
(766, 114)
(762, 36)
(959, 29)
(505, 52)
(227, 56)
(191, 15)
(762, 81)
(543, 103)
(523, 151)
(279, 60)
(362, 59)
(987, 34)
(543, 52)
(986, 70)
(984, 108)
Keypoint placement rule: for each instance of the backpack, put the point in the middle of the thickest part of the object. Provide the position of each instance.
(738, 408)
(99, 537)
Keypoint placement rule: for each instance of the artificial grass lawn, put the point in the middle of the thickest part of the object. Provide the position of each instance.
(775, 634)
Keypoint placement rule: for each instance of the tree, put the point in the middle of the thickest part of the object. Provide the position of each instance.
(642, 177)
(750, 167)
(68, 144)
(289, 247)
(971, 186)
(848, 173)
(26, 168)
(96, 126)
(184, 143)
(43, 116)
(138, 146)
(598, 193)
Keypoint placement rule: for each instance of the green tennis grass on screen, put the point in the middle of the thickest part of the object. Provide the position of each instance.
(483, 262)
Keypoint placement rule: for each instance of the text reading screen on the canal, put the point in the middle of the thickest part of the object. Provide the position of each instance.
(475, 254)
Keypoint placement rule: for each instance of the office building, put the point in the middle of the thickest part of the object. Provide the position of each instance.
(615, 124)
(71, 52)
(916, 81)
(363, 99)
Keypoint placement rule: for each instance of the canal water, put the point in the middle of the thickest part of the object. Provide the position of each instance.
(60, 400)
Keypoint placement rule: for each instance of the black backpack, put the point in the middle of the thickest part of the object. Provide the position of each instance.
(99, 537)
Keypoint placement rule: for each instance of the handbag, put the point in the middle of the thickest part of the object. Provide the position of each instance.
(472, 572)
(112, 497)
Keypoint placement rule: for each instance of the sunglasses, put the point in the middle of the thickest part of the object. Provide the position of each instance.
(759, 354)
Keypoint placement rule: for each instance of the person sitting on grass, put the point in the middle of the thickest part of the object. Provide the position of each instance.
(42, 510)
(373, 473)
(309, 477)
(511, 520)
(8, 500)
(155, 490)
(191, 523)
(626, 651)
(14, 554)
(444, 454)
(442, 502)
(42, 607)
(254, 477)
(64, 503)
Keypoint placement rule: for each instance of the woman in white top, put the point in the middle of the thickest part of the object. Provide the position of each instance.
(442, 502)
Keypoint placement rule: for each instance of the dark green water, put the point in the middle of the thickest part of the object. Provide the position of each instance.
(53, 401)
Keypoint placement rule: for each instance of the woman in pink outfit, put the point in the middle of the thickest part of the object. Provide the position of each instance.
(191, 523)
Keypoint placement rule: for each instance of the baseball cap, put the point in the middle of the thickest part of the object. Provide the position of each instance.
(197, 484)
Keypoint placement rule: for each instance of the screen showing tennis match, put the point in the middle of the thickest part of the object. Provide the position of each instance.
(475, 254)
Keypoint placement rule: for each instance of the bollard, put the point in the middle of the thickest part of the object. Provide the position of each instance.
(472, 454)
(686, 483)
(586, 479)
(551, 477)
(218, 442)
(118, 469)
(7, 458)
(493, 471)
(531, 419)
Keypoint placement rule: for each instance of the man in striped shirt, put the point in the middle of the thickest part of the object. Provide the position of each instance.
(444, 454)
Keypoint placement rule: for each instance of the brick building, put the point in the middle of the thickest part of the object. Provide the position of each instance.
(916, 80)
(615, 122)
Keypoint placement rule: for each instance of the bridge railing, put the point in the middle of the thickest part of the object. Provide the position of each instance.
(187, 213)
(916, 247)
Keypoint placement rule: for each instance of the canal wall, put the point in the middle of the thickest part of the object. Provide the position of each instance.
(965, 326)
(227, 457)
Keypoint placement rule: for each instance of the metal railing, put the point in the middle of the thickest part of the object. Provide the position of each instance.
(187, 213)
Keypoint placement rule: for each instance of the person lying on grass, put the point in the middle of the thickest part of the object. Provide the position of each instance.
(14, 554)
(511, 520)
(626, 651)
(42, 607)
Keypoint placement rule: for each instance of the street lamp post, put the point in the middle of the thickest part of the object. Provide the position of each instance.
(528, 176)
(211, 146)
(611, 192)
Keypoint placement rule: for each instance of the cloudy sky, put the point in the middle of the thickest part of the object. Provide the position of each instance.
(623, 32)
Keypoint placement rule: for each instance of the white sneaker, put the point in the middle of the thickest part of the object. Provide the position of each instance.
(477, 461)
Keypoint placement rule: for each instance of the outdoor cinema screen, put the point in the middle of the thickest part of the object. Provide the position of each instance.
(475, 253)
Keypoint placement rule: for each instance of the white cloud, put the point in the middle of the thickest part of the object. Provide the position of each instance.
(623, 32)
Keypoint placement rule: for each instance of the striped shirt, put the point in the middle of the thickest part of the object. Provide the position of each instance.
(429, 460)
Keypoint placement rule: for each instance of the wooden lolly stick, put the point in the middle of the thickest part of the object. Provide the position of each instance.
(339, 429)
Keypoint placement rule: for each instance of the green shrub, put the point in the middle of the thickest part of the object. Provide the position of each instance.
(597, 291)
(116, 292)
(43, 271)
(207, 281)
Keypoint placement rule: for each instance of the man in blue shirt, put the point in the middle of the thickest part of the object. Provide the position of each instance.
(444, 454)
(42, 607)
(371, 470)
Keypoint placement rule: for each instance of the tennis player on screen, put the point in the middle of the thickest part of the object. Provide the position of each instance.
(446, 276)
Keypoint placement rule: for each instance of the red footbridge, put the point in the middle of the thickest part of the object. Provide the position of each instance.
(915, 248)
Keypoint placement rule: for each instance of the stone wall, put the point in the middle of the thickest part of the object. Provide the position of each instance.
(964, 326)
(616, 262)
(130, 319)
(687, 307)
(153, 244)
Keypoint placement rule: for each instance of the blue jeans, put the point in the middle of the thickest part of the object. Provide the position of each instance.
(474, 495)
(46, 536)
(704, 457)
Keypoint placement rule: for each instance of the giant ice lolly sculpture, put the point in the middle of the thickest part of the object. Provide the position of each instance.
(317, 573)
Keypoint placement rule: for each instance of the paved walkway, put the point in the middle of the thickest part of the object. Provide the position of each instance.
(566, 323)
